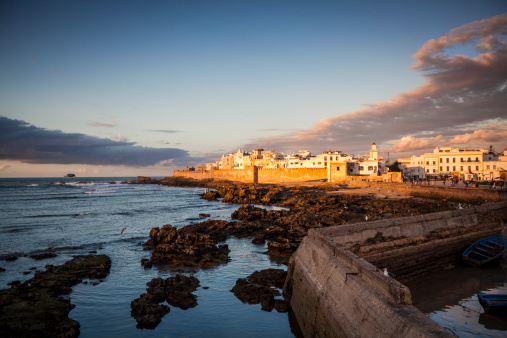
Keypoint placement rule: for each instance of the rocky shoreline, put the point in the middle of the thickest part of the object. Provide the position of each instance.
(35, 308)
(300, 208)
(25, 307)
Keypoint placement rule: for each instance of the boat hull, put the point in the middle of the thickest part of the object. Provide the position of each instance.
(494, 303)
(485, 251)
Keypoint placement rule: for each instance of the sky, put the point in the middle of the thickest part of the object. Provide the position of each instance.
(128, 88)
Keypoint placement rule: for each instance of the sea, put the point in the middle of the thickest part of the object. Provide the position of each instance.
(76, 216)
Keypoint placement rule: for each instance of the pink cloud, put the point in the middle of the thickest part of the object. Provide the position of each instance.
(120, 137)
(460, 95)
(412, 144)
(480, 135)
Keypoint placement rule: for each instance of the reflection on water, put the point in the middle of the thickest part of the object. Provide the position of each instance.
(449, 297)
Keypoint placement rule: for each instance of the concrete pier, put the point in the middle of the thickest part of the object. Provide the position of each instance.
(336, 285)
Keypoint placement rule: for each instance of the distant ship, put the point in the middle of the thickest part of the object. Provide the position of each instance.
(70, 175)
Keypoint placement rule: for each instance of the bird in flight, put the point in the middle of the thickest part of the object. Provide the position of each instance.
(122, 230)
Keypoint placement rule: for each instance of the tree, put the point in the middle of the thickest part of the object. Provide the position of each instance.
(395, 167)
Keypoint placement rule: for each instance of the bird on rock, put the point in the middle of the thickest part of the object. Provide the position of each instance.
(388, 274)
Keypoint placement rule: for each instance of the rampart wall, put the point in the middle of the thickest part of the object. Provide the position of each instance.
(336, 287)
(282, 175)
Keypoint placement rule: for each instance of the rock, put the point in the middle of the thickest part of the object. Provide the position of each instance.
(186, 247)
(2, 269)
(204, 215)
(35, 308)
(147, 263)
(43, 256)
(259, 287)
(147, 312)
(11, 258)
(177, 291)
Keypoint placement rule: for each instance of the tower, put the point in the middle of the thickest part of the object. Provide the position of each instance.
(374, 151)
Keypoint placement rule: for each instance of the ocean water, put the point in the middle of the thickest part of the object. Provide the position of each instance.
(73, 216)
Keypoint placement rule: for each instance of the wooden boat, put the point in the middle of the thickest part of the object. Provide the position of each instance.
(493, 303)
(485, 251)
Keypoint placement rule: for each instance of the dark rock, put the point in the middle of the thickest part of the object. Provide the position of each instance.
(175, 290)
(2, 269)
(260, 287)
(185, 247)
(204, 215)
(147, 263)
(34, 308)
(43, 256)
(11, 258)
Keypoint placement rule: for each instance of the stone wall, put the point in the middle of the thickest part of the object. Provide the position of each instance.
(335, 284)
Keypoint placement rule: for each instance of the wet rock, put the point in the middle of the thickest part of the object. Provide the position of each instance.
(43, 256)
(147, 263)
(184, 247)
(147, 312)
(2, 269)
(261, 288)
(35, 308)
(177, 291)
(11, 258)
(204, 215)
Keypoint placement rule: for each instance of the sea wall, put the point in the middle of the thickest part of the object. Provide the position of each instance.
(336, 287)
(257, 175)
(283, 175)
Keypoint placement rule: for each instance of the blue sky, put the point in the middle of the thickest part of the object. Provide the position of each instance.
(201, 78)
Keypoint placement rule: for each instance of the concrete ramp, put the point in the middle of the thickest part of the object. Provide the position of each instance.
(335, 290)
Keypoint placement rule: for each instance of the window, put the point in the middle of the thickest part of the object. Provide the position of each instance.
(337, 168)
(440, 168)
(440, 160)
(370, 168)
(453, 168)
(447, 168)
(434, 170)
(427, 170)
(454, 160)
(487, 167)
(361, 167)
(469, 160)
(427, 162)
(447, 160)
(477, 167)
(476, 159)
(469, 168)
(494, 167)
(434, 163)
(461, 168)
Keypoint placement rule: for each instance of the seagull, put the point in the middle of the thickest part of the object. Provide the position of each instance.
(366, 218)
(122, 230)
(59, 228)
(388, 274)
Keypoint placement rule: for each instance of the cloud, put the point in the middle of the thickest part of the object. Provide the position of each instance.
(480, 135)
(167, 131)
(20, 141)
(411, 144)
(4, 167)
(98, 124)
(119, 137)
(460, 95)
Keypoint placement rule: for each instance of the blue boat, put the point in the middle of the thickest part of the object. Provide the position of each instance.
(493, 303)
(485, 251)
